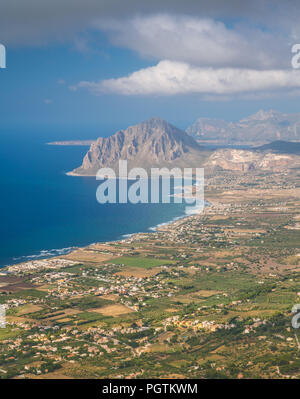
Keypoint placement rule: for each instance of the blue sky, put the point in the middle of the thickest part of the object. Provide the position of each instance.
(105, 73)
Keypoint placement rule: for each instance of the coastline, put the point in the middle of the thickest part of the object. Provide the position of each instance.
(79, 175)
(74, 174)
(84, 143)
(61, 252)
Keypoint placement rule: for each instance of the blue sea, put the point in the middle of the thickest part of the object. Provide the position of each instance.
(44, 212)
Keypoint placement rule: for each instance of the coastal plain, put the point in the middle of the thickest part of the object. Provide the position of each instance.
(208, 296)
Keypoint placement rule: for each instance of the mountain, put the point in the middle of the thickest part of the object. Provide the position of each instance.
(209, 129)
(281, 147)
(251, 160)
(154, 143)
(260, 128)
(277, 156)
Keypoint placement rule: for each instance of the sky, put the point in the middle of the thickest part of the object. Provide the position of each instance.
(96, 66)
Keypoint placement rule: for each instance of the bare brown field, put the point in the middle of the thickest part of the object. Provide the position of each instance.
(64, 320)
(10, 280)
(222, 254)
(48, 376)
(18, 319)
(184, 298)
(45, 287)
(159, 348)
(295, 227)
(83, 255)
(233, 196)
(111, 297)
(16, 287)
(112, 310)
(70, 311)
(218, 217)
(207, 262)
(29, 309)
(242, 260)
(247, 231)
(192, 270)
(292, 260)
(102, 247)
(58, 374)
(206, 293)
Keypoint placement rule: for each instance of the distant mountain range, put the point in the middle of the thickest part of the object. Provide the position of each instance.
(260, 128)
(156, 143)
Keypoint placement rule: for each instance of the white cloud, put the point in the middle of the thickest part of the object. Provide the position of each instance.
(199, 55)
(169, 78)
(198, 41)
(37, 22)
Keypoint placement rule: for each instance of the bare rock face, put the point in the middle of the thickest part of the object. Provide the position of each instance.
(154, 143)
(236, 160)
(244, 161)
(209, 129)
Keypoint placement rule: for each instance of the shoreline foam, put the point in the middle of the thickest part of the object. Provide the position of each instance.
(46, 254)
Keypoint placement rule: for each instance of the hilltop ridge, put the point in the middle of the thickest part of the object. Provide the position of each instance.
(257, 129)
(153, 143)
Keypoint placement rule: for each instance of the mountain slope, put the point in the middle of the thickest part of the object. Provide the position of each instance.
(281, 147)
(154, 143)
(277, 156)
(262, 127)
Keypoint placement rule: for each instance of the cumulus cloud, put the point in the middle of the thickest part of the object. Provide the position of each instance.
(212, 48)
(36, 21)
(198, 41)
(170, 77)
(199, 55)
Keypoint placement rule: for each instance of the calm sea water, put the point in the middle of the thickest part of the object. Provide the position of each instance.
(44, 212)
